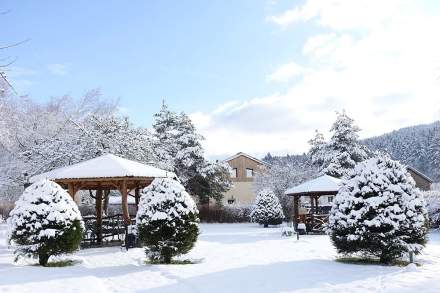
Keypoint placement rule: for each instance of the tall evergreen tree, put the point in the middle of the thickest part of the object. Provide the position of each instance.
(179, 149)
(338, 156)
(318, 148)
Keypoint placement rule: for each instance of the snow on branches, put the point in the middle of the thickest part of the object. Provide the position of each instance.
(45, 221)
(339, 155)
(267, 209)
(178, 148)
(378, 211)
(167, 220)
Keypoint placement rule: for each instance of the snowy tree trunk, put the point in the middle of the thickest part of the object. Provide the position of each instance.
(43, 258)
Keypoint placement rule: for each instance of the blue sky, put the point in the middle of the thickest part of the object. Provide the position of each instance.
(255, 75)
(196, 54)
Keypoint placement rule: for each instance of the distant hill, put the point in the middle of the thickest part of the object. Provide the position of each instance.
(410, 145)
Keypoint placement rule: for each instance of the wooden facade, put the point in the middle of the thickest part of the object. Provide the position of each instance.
(423, 182)
(242, 166)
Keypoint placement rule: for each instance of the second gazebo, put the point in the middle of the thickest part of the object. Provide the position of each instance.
(314, 189)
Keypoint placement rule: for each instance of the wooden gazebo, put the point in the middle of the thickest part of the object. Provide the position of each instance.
(105, 173)
(314, 189)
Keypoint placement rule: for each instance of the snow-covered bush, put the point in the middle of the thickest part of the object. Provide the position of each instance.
(432, 199)
(378, 212)
(167, 220)
(45, 222)
(267, 209)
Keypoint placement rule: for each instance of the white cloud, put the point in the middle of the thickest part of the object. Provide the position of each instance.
(58, 69)
(377, 59)
(286, 72)
(344, 14)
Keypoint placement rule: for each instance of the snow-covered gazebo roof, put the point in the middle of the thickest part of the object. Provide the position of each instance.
(104, 173)
(105, 166)
(322, 185)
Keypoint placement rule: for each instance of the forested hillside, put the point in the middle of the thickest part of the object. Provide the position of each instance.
(418, 146)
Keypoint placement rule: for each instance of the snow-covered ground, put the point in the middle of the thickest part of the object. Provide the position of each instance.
(232, 258)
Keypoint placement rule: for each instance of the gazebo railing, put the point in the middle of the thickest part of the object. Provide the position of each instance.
(315, 223)
(113, 230)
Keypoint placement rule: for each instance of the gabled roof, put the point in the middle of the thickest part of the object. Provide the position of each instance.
(321, 184)
(245, 155)
(106, 166)
(419, 173)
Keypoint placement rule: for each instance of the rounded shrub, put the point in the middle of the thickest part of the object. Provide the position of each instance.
(267, 209)
(167, 220)
(44, 222)
(378, 212)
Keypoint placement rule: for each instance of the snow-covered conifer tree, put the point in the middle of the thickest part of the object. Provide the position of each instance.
(378, 212)
(165, 147)
(267, 209)
(167, 220)
(212, 181)
(338, 156)
(177, 144)
(178, 148)
(189, 159)
(318, 148)
(45, 222)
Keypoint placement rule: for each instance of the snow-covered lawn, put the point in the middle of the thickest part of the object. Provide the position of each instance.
(232, 258)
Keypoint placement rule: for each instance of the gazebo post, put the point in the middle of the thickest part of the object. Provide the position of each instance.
(71, 190)
(296, 210)
(98, 202)
(136, 197)
(313, 210)
(124, 201)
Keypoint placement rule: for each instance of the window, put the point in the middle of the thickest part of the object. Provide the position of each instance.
(249, 173)
(330, 199)
(234, 173)
(231, 200)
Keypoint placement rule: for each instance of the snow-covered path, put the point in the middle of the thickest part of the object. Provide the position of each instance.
(232, 258)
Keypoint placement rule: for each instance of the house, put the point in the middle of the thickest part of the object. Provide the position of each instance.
(244, 168)
(423, 182)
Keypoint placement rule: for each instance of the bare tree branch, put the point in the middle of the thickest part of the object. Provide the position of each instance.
(2, 76)
(14, 44)
(9, 63)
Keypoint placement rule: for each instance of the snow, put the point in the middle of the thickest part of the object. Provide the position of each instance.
(232, 258)
(379, 192)
(104, 166)
(267, 209)
(42, 204)
(164, 198)
(117, 200)
(323, 183)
